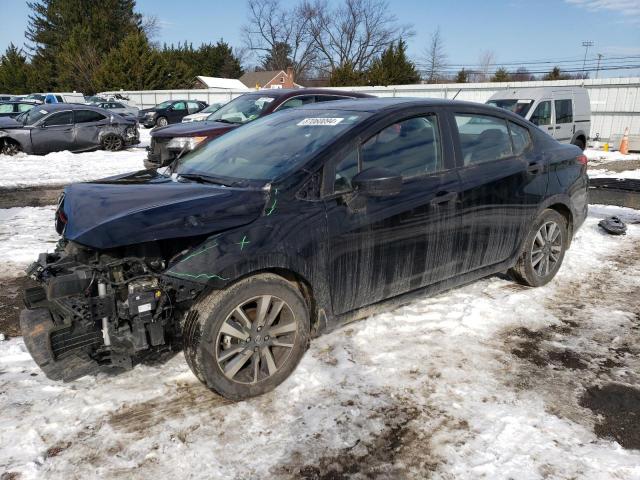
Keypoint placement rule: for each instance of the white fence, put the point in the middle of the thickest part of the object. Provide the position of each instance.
(615, 102)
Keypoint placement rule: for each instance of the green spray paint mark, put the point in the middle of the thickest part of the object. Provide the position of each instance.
(243, 242)
(208, 276)
(215, 244)
(273, 207)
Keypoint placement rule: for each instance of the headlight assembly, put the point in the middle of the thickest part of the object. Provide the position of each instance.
(185, 143)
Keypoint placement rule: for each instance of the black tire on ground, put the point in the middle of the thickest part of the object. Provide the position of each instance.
(546, 244)
(9, 147)
(268, 347)
(580, 143)
(112, 143)
(162, 122)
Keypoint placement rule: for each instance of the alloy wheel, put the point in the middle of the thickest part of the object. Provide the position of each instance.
(256, 339)
(112, 143)
(546, 249)
(162, 122)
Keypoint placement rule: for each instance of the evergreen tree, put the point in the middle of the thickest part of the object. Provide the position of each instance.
(462, 76)
(501, 75)
(134, 65)
(65, 31)
(347, 76)
(218, 61)
(393, 67)
(279, 58)
(14, 71)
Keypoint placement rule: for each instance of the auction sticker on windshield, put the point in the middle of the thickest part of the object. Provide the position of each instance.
(320, 122)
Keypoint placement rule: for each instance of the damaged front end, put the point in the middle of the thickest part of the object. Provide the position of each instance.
(98, 311)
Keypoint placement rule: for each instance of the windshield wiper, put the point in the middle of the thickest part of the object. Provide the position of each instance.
(204, 178)
(224, 120)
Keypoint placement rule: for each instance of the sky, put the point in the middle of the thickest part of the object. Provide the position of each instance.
(514, 30)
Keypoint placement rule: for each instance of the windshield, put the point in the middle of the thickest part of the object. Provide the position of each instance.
(269, 147)
(211, 108)
(31, 116)
(521, 107)
(164, 104)
(242, 109)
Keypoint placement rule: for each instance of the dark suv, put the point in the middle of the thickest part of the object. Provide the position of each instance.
(293, 225)
(167, 143)
(171, 111)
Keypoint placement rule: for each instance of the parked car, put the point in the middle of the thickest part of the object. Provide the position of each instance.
(94, 100)
(73, 97)
(563, 112)
(171, 111)
(203, 114)
(120, 108)
(167, 143)
(5, 97)
(293, 225)
(14, 108)
(35, 97)
(66, 126)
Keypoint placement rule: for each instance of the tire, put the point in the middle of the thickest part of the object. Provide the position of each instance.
(162, 122)
(547, 240)
(112, 143)
(238, 358)
(9, 147)
(580, 143)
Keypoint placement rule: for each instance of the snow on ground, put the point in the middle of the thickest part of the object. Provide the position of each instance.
(61, 168)
(25, 232)
(601, 156)
(484, 381)
(601, 164)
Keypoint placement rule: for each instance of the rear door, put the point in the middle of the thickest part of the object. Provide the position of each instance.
(563, 108)
(54, 133)
(88, 125)
(503, 180)
(381, 247)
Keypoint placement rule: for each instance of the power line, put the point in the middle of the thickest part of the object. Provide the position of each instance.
(541, 62)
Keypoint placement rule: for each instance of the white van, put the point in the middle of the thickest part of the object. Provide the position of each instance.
(562, 112)
(73, 97)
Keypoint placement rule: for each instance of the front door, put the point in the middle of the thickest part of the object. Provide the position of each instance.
(502, 183)
(381, 247)
(177, 112)
(542, 116)
(54, 133)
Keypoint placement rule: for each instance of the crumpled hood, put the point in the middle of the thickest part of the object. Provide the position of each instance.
(146, 206)
(191, 129)
(7, 123)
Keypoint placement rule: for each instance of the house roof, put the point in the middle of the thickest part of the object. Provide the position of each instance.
(250, 79)
(222, 83)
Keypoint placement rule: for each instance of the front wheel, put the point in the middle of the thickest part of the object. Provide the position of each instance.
(543, 251)
(9, 147)
(247, 339)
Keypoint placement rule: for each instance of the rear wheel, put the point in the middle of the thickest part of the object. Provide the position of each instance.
(580, 143)
(247, 339)
(544, 250)
(112, 143)
(162, 122)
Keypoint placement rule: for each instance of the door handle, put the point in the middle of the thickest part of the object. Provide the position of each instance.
(535, 168)
(549, 128)
(557, 127)
(444, 197)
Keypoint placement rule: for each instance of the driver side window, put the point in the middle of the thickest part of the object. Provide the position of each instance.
(542, 114)
(179, 106)
(62, 118)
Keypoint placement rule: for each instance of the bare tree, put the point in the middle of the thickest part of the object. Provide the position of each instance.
(353, 33)
(435, 58)
(485, 63)
(150, 25)
(269, 26)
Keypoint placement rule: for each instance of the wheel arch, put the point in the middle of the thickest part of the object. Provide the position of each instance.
(562, 207)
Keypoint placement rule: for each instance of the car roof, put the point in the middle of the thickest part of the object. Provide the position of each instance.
(375, 104)
(53, 107)
(292, 92)
(4, 102)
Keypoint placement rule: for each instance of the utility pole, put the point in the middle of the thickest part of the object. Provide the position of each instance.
(598, 67)
(586, 46)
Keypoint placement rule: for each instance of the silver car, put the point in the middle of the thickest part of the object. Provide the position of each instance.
(66, 126)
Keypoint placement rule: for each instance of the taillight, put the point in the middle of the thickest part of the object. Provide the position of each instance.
(582, 159)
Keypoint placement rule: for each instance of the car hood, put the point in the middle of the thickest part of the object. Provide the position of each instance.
(8, 123)
(190, 129)
(146, 206)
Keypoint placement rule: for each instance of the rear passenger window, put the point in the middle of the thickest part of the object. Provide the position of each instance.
(87, 116)
(62, 118)
(542, 114)
(520, 137)
(483, 138)
(564, 111)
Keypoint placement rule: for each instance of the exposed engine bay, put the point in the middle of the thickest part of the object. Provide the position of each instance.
(102, 310)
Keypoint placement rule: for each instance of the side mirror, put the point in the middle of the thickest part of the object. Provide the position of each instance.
(377, 182)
